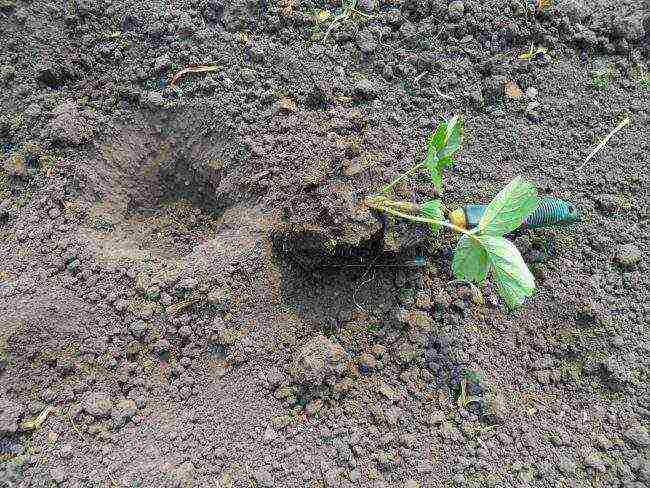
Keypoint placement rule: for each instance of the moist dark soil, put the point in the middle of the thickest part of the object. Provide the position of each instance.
(193, 292)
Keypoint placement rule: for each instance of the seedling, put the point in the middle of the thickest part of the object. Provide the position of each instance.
(483, 250)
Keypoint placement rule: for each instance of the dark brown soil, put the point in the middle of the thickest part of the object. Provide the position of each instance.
(193, 290)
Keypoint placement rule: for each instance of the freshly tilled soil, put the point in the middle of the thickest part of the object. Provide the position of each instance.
(193, 293)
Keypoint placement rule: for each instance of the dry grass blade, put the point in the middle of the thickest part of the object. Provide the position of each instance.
(533, 52)
(177, 307)
(442, 95)
(336, 20)
(192, 69)
(38, 421)
(74, 426)
(602, 144)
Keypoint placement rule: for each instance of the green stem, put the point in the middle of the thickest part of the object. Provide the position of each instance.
(402, 176)
(425, 220)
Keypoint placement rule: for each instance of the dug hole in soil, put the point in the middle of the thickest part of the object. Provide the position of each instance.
(192, 293)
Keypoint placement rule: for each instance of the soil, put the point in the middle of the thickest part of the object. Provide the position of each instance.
(192, 292)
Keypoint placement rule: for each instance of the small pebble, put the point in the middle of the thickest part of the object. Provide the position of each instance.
(531, 92)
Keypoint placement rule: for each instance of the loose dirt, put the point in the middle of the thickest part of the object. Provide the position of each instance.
(189, 277)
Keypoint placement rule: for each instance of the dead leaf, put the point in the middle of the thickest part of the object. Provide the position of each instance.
(287, 7)
(388, 391)
(344, 100)
(192, 69)
(287, 105)
(353, 168)
(512, 90)
(52, 437)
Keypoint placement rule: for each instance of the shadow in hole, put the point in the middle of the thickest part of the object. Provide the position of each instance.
(178, 181)
(327, 291)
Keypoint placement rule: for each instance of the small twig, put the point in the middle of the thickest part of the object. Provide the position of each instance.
(192, 69)
(602, 144)
(354, 294)
(442, 95)
(177, 307)
(407, 264)
(74, 426)
(419, 77)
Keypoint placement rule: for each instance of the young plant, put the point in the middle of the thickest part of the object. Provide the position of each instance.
(481, 251)
(441, 147)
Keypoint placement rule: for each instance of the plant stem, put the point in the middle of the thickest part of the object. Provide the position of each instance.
(402, 176)
(425, 220)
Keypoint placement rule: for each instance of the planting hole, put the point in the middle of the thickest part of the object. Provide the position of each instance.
(164, 210)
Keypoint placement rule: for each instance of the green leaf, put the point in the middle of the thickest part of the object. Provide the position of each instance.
(441, 146)
(453, 138)
(436, 178)
(431, 162)
(436, 140)
(454, 130)
(509, 208)
(445, 162)
(513, 277)
(471, 261)
(433, 210)
(436, 171)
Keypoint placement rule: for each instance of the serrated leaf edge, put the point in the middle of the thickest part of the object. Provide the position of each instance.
(483, 225)
(527, 294)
